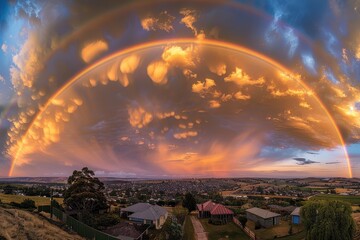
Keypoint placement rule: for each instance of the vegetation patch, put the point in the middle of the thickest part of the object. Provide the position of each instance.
(227, 231)
(354, 200)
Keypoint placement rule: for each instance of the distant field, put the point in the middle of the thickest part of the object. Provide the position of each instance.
(350, 199)
(7, 198)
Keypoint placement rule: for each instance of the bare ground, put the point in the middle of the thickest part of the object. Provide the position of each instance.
(22, 225)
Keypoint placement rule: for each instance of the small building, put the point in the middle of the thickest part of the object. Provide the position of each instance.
(218, 213)
(128, 231)
(145, 213)
(264, 217)
(295, 216)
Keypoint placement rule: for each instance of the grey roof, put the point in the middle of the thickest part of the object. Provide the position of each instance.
(145, 211)
(138, 207)
(296, 212)
(262, 213)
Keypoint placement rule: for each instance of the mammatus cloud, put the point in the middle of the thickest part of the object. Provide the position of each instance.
(91, 50)
(186, 88)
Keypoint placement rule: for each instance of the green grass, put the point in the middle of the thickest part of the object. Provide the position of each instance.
(350, 199)
(217, 232)
(7, 198)
(298, 236)
(189, 233)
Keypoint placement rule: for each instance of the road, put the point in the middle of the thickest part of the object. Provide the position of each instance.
(199, 230)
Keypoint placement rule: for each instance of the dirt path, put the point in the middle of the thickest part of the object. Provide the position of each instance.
(199, 230)
(22, 225)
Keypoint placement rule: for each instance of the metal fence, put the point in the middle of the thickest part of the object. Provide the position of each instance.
(77, 226)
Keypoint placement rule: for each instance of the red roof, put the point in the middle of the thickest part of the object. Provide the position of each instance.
(206, 206)
(214, 208)
(220, 210)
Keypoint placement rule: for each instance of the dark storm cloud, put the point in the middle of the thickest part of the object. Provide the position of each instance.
(313, 153)
(304, 161)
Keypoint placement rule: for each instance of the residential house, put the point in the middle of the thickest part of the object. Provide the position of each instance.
(264, 217)
(145, 213)
(215, 211)
(295, 216)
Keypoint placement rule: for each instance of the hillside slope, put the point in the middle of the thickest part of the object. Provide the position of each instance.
(22, 225)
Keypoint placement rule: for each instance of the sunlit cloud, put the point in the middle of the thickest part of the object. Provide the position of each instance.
(92, 50)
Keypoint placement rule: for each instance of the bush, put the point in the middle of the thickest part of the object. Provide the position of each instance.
(242, 220)
(28, 203)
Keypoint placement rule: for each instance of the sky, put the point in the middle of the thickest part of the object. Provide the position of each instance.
(180, 88)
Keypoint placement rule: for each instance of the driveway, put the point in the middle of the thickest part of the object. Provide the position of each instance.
(200, 233)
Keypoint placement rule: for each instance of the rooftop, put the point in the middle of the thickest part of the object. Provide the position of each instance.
(296, 212)
(262, 213)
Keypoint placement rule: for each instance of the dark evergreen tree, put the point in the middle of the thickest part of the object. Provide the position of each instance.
(189, 202)
(85, 193)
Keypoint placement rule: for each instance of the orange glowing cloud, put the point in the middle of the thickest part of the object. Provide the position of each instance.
(91, 50)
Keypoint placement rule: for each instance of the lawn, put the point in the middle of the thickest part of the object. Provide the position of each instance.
(7, 198)
(281, 230)
(298, 236)
(189, 233)
(354, 200)
(220, 232)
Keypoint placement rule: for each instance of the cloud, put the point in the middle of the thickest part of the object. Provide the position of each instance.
(313, 153)
(163, 21)
(4, 47)
(138, 117)
(2, 79)
(179, 56)
(93, 49)
(304, 161)
(241, 78)
(158, 71)
(189, 18)
(332, 162)
(200, 87)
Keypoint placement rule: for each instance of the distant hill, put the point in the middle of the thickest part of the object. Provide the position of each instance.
(57, 180)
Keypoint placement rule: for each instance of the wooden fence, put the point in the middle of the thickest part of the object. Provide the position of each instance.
(247, 230)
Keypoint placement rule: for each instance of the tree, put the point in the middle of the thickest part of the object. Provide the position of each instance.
(189, 202)
(85, 193)
(242, 220)
(328, 220)
(8, 189)
(171, 230)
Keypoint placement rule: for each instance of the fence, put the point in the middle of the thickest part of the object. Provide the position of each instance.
(77, 226)
(248, 232)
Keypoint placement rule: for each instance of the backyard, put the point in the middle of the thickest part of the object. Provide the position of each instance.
(220, 232)
(281, 230)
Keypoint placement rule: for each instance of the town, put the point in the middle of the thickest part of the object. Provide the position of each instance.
(205, 208)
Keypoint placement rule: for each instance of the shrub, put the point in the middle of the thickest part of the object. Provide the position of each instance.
(242, 220)
(28, 203)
